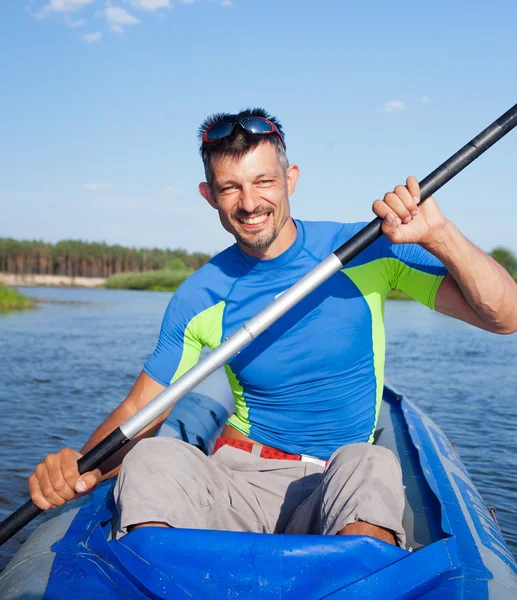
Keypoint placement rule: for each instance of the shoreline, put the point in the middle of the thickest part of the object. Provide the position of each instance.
(18, 280)
(66, 281)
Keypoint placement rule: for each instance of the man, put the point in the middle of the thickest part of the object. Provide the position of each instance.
(296, 457)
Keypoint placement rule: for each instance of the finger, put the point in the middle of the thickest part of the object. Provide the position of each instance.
(414, 188)
(69, 467)
(36, 495)
(88, 481)
(45, 486)
(383, 211)
(398, 207)
(56, 478)
(409, 202)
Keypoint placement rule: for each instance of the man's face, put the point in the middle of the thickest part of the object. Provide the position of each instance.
(251, 194)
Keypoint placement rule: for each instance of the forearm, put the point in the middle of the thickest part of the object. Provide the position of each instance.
(486, 286)
(144, 390)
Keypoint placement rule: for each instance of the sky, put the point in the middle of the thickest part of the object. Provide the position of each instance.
(100, 103)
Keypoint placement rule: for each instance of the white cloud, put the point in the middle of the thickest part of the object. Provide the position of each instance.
(151, 5)
(425, 99)
(75, 24)
(91, 38)
(64, 6)
(117, 17)
(394, 106)
(171, 190)
(226, 3)
(97, 187)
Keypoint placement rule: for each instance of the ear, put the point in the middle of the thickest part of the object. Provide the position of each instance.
(206, 192)
(293, 172)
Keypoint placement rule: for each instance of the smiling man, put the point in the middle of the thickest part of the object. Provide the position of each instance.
(298, 454)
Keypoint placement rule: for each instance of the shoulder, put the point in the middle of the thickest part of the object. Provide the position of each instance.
(207, 286)
(323, 237)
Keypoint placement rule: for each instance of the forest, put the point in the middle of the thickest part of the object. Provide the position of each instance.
(96, 259)
(90, 259)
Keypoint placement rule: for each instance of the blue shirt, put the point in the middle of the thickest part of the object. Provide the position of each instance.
(313, 381)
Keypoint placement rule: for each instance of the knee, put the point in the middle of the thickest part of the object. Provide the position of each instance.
(373, 458)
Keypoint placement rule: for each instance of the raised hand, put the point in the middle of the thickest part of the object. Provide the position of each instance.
(405, 221)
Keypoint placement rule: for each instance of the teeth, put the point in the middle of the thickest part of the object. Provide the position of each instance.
(255, 220)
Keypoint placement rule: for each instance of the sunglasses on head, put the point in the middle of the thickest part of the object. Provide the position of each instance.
(258, 125)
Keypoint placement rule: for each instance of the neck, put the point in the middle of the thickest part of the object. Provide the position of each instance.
(280, 244)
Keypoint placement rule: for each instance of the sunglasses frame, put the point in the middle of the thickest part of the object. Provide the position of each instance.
(273, 129)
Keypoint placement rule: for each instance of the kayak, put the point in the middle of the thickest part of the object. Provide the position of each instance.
(455, 548)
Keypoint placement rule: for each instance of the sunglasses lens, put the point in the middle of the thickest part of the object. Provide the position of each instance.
(219, 130)
(256, 125)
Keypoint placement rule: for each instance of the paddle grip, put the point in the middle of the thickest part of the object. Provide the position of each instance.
(91, 460)
(435, 180)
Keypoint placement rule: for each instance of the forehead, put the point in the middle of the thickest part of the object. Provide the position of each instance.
(263, 158)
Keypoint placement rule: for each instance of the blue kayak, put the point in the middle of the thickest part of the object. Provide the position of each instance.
(456, 548)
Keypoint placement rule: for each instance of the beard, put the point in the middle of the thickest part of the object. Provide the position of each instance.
(259, 240)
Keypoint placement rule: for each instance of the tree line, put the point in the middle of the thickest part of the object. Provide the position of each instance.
(90, 259)
(97, 259)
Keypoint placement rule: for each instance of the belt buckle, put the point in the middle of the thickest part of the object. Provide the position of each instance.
(312, 459)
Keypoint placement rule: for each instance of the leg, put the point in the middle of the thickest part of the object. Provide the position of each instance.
(170, 483)
(361, 493)
(167, 482)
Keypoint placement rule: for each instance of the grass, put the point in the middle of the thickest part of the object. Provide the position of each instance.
(156, 281)
(11, 299)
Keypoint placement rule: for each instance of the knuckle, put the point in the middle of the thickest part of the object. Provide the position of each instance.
(46, 489)
(400, 189)
(49, 459)
(390, 197)
(60, 486)
(70, 474)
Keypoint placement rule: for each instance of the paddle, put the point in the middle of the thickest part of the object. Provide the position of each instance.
(250, 330)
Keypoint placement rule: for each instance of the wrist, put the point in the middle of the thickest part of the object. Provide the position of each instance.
(440, 237)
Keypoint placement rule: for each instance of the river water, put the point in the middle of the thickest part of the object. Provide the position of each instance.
(66, 365)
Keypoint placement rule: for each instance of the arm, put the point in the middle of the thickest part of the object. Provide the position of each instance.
(56, 480)
(144, 390)
(476, 289)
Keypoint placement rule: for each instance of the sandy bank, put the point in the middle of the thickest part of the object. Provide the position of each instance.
(50, 280)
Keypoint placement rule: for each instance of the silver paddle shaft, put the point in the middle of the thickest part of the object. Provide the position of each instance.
(231, 346)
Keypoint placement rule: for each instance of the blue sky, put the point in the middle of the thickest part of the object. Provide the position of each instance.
(101, 100)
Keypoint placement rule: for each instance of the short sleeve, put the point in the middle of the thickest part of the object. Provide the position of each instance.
(178, 346)
(415, 271)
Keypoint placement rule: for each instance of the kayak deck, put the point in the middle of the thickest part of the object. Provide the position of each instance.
(458, 550)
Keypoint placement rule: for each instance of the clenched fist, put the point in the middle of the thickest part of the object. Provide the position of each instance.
(56, 480)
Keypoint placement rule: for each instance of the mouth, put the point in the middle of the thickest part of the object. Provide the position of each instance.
(252, 223)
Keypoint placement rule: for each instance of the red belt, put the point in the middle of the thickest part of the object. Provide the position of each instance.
(265, 451)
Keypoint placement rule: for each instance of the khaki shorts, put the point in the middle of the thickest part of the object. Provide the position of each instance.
(166, 480)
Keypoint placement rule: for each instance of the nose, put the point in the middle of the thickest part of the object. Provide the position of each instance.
(249, 199)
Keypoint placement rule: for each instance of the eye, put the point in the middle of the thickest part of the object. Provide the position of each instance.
(228, 188)
(265, 181)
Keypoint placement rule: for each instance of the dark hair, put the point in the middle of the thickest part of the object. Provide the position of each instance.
(240, 142)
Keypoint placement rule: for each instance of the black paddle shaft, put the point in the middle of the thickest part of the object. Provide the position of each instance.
(428, 186)
(91, 460)
(435, 180)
